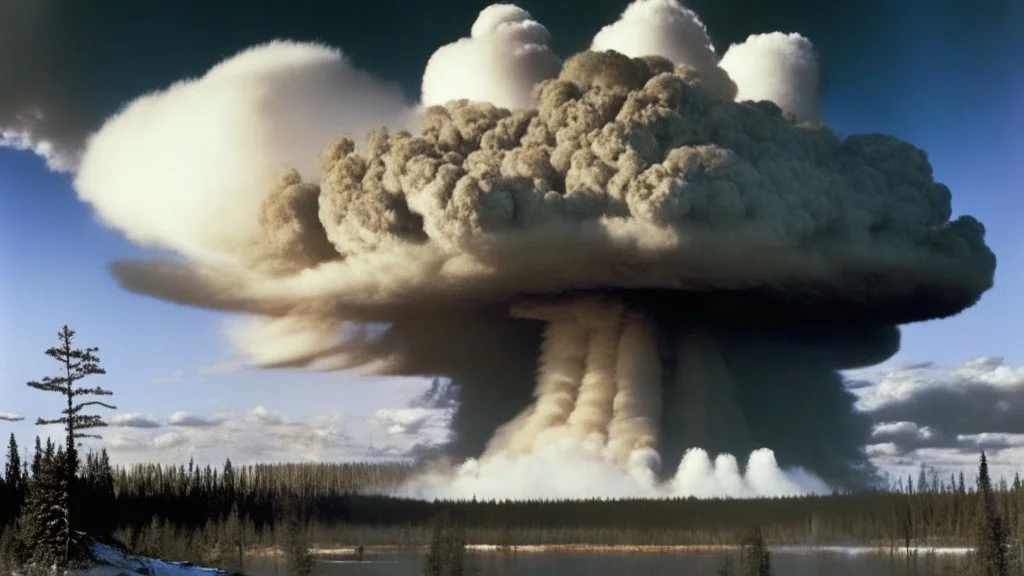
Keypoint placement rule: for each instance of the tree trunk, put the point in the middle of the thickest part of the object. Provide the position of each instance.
(72, 458)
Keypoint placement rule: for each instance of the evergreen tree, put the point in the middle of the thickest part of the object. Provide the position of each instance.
(446, 555)
(37, 457)
(297, 557)
(13, 484)
(754, 557)
(95, 500)
(989, 534)
(43, 519)
(12, 472)
(234, 542)
(76, 364)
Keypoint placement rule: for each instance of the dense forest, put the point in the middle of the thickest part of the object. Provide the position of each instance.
(207, 514)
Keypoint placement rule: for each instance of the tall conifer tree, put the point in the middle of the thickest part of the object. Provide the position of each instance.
(989, 533)
(75, 365)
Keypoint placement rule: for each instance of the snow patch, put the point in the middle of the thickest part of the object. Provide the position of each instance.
(114, 562)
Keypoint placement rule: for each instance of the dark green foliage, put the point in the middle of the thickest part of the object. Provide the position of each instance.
(93, 498)
(12, 550)
(338, 495)
(990, 536)
(202, 515)
(43, 523)
(298, 560)
(37, 457)
(230, 549)
(76, 364)
(446, 555)
(755, 559)
(12, 486)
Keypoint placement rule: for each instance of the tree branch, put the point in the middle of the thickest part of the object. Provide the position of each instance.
(41, 422)
(91, 392)
(79, 407)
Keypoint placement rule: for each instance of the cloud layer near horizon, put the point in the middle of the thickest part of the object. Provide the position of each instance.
(922, 414)
(944, 416)
(403, 433)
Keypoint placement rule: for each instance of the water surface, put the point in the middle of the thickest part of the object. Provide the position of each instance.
(786, 562)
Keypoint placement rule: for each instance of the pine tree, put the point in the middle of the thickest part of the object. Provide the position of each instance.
(754, 557)
(12, 472)
(43, 519)
(76, 363)
(233, 542)
(37, 457)
(297, 557)
(13, 484)
(990, 536)
(447, 553)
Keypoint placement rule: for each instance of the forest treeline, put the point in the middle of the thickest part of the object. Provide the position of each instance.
(215, 514)
(336, 502)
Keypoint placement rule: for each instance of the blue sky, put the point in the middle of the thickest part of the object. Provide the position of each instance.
(947, 81)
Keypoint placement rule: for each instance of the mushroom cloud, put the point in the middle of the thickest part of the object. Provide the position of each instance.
(630, 271)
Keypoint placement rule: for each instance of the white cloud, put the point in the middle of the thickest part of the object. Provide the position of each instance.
(268, 435)
(945, 416)
(883, 450)
(169, 440)
(505, 55)
(133, 421)
(663, 28)
(264, 416)
(410, 420)
(187, 420)
(232, 133)
(983, 374)
(10, 417)
(779, 67)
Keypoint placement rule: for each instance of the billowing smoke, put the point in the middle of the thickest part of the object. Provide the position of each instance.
(630, 276)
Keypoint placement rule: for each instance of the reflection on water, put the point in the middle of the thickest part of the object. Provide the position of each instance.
(566, 563)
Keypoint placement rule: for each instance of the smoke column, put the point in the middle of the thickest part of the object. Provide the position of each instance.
(634, 275)
(637, 404)
(705, 408)
(595, 402)
(562, 364)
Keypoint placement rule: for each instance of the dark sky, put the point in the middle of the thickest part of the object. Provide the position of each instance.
(83, 59)
(128, 43)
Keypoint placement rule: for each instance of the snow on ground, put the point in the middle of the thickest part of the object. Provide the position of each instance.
(114, 562)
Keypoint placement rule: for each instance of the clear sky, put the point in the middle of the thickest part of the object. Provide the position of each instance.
(944, 75)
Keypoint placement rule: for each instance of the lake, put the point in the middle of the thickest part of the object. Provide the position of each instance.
(786, 562)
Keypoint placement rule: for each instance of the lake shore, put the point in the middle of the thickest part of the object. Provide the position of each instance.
(639, 549)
